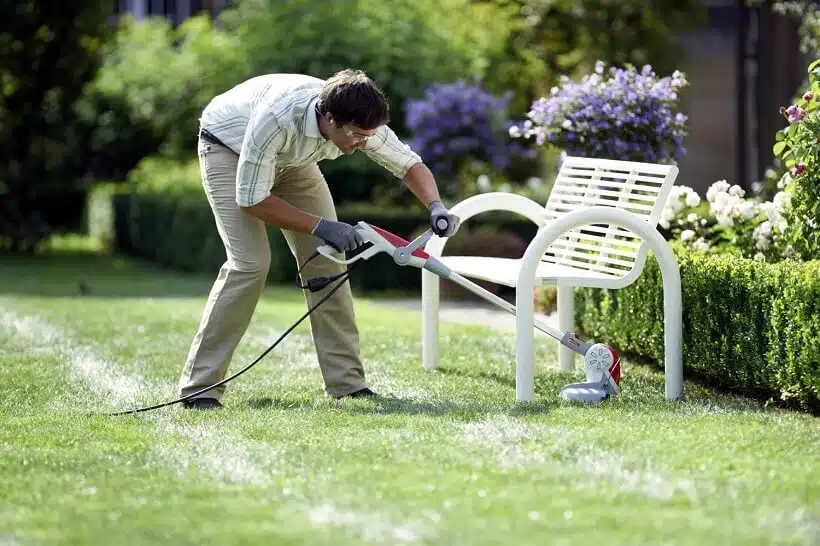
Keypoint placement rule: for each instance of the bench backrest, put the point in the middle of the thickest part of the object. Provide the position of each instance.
(639, 188)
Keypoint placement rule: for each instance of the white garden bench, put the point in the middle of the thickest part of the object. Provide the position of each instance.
(595, 230)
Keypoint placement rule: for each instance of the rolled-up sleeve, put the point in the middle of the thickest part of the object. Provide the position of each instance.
(257, 159)
(387, 150)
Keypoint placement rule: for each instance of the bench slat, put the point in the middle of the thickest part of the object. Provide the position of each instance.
(572, 181)
(575, 190)
(570, 203)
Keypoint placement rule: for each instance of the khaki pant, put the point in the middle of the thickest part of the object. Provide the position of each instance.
(241, 279)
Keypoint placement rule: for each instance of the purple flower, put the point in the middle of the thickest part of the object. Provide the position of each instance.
(619, 113)
(795, 113)
(456, 124)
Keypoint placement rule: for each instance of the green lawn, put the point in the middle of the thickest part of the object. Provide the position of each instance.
(446, 457)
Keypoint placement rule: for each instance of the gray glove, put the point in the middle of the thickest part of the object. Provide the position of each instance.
(444, 223)
(339, 235)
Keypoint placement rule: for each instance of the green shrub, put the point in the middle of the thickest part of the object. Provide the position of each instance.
(48, 51)
(161, 215)
(748, 326)
(150, 90)
(156, 78)
(798, 146)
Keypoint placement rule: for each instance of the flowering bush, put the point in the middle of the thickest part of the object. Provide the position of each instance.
(798, 146)
(460, 130)
(729, 222)
(619, 113)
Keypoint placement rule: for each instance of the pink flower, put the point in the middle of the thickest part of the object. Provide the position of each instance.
(795, 113)
(808, 96)
(799, 169)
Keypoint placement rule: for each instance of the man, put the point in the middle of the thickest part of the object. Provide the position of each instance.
(258, 148)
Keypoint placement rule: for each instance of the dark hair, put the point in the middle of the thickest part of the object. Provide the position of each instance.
(351, 97)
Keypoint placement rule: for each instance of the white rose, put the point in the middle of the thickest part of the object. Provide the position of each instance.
(782, 200)
(700, 244)
(483, 183)
(693, 217)
(715, 188)
(737, 191)
(765, 227)
(686, 235)
(721, 200)
(748, 210)
(725, 220)
(692, 199)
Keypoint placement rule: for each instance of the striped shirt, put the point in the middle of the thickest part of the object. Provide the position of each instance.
(270, 121)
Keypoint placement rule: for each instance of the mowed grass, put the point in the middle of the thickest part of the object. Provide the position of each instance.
(446, 457)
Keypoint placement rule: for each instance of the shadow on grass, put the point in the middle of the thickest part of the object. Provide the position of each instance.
(643, 392)
(386, 405)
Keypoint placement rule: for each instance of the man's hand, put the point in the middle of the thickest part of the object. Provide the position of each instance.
(339, 235)
(439, 212)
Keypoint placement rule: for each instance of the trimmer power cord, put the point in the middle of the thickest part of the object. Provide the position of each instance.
(314, 285)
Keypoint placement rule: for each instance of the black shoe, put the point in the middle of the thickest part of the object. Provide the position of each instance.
(202, 403)
(360, 393)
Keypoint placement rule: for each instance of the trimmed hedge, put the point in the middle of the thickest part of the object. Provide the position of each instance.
(749, 327)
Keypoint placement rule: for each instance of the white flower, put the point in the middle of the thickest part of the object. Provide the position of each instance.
(715, 188)
(534, 182)
(675, 205)
(483, 183)
(760, 257)
(720, 201)
(692, 199)
(765, 227)
(782, 200)
(703, 221)
(686, 235)
(567, 124)
(692, 218)
(788, 251)
(748, 209)
(737, 191)
(515, 131)
(770, 210)
(700, 244)
(725, 220)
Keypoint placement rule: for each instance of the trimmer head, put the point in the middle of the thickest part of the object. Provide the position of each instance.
(603, 371)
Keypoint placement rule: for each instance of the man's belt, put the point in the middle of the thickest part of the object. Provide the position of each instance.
(207, 136)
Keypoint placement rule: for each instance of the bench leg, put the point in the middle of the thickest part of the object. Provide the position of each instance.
(566, 323)
(429, 319)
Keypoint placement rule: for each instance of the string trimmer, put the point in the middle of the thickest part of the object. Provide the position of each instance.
(602, 364)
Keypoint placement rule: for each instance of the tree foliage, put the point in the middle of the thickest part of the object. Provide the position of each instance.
(48, 50)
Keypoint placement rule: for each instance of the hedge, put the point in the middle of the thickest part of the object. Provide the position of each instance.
(174, 228)
(748, 327)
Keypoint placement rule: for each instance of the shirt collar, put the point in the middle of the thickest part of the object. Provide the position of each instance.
(311, 123)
